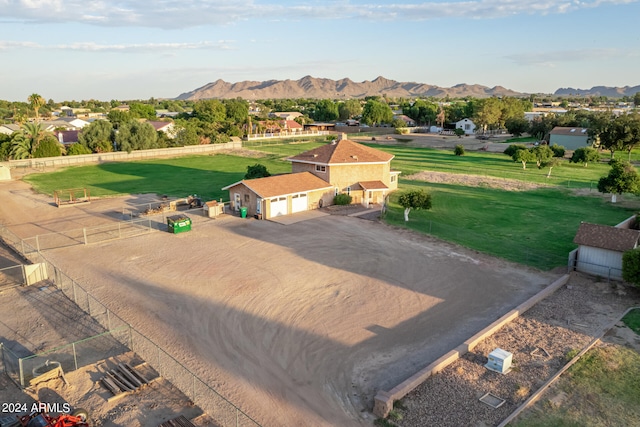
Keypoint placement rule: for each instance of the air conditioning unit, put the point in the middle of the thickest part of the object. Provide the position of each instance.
(499, 361)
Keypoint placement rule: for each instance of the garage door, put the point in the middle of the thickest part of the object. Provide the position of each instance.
(299, 203)
(278, 206)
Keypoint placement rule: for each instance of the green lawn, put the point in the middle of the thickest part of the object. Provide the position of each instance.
(179, 177)
(530, 227)
(602, 390)
(632, 320)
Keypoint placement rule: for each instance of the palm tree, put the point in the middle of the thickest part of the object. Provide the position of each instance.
(36, 101)
(25, 143)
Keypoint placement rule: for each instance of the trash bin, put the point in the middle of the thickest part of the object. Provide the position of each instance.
(243, 211)
(178, 224)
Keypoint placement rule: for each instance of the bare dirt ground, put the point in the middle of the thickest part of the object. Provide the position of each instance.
(494, 145)
(475, 181)
(297, 325)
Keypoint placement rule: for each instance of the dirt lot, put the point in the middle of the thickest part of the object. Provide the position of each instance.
(297, 325)
(494, 145)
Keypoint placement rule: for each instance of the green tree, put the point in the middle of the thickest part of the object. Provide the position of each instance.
(517, 126)
(524, 156)
(326, 110)
(631, 266)
(542, 154)
(138, 110)
(376, 112)
(458, 150)
(622, 178)
(558, 150)
(36, 102)
(511, 149)
(5, 147)
(210, 110)
(136, 136)
(585, 155)
(97, 136)
(49, 147)
(256, 171)
(118, 117)
(414, 199)
(551, 163)
(541, 126)
(77, 149)
(237, 110)
(349, 109)
(636, 99)
(488, 114)
(423, 112)
(25, 142)
(186, 134)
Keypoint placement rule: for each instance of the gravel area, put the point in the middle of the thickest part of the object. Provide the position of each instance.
(567, 320)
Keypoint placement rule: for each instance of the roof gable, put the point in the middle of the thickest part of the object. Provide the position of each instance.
(606, 237)
(343, 151)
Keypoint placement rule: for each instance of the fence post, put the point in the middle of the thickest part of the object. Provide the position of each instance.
(22, 241)
(88, 303)
(75, 297)
(119, 233)
(130, 339)
(75, 357)
(84, 233)
(21, 372)
(108, 320)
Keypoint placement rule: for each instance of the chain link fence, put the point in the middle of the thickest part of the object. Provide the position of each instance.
(118, 338)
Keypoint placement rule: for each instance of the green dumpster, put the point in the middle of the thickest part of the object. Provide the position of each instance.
(178, 224)
(243, 211)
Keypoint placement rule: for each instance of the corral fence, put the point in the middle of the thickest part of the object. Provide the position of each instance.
(118, 333)
(12, 276)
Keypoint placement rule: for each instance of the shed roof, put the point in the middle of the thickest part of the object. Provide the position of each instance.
(606, 237)
(343, 151)
(373, 185)
(570, 131)
(281, 185)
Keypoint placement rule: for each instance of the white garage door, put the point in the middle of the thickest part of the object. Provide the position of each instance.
(299, 203)
(278, 206)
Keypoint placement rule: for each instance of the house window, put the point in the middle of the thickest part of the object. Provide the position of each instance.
(467, 126)
(246, 198)
(336, 193)
(393, 178)
(321, 168)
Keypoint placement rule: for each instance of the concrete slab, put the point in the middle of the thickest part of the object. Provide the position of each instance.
(298, 217)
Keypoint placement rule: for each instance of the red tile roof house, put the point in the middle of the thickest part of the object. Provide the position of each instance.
(317, 176)
(600, 248)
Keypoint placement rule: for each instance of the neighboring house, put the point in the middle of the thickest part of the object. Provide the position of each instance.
(317, 176)
(570, 138)
(534, 115)
(292, 126)
(74, 122)
(67, 137)
(10, 128)
(166, 127)
(286, 115)
(166, 113)
(320, 127)
(408, 120)
(600, 248)
(467, 126)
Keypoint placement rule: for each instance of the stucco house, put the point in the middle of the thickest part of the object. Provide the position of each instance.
(600, 248)
(467, 126)
(286, 115)
(317, 176)
(9, 128)
(570, 138)
(166, 127)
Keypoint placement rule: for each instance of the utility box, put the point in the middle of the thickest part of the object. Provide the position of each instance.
(178, 224)
(499, 361)
(213, 209)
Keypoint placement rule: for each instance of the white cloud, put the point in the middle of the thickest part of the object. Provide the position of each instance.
(122, 48)
(191, 13)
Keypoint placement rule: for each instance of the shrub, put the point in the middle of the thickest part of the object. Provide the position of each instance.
(458, 150)
(77, 149)
(459, 132)
(342, 199)
(631, 266)
(558, 150)
(511, 150)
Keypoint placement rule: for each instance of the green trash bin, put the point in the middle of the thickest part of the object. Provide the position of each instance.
(243, 211)
(178, 224)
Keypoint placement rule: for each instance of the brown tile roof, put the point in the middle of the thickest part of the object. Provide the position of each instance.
(606, 237)
(373, 185)
(343, 151)
(281, 185)
(571, 131)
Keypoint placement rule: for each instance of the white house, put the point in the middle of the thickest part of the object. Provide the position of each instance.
(467, 126)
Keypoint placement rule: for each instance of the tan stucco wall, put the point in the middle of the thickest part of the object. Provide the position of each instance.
(313, 200)
(343, 176)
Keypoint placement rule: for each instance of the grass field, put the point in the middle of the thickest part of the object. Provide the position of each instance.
(533, 227)
(602, 390)
(179, 177)
(632, 320)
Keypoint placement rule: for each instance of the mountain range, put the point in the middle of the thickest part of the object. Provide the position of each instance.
(319, 88)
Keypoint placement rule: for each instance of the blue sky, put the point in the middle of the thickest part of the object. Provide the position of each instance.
(73, 50)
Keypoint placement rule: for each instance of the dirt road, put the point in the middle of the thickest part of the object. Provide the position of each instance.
(298, 324)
